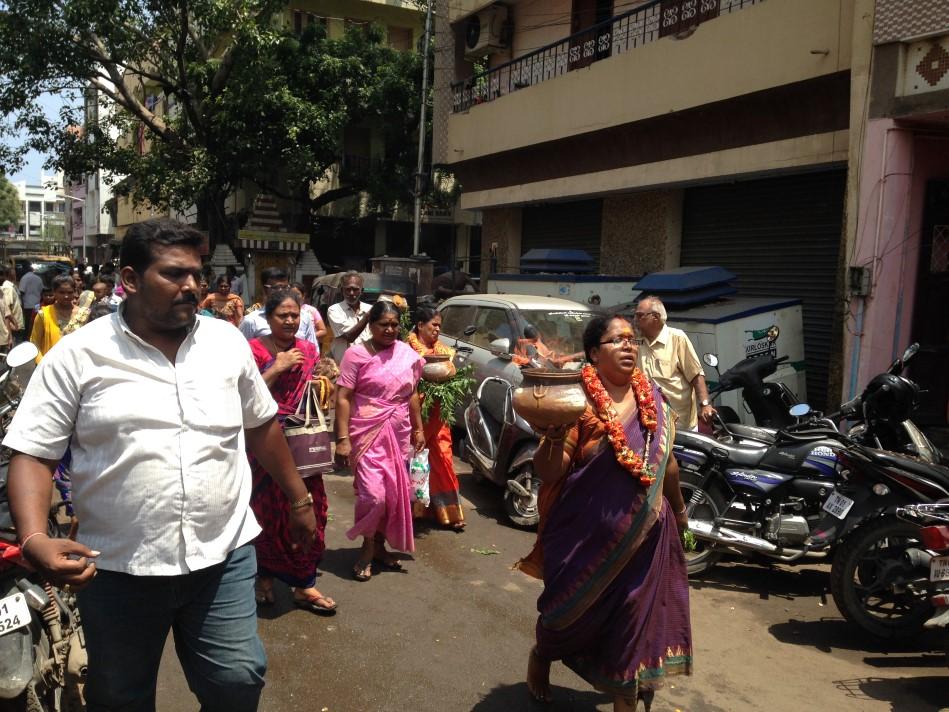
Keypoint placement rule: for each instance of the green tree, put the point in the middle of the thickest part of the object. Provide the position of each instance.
(220, 90)
(9, 203)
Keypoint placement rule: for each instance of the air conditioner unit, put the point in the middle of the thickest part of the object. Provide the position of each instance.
(487, 31)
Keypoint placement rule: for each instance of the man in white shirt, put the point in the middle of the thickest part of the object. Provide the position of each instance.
(255, 324)
(349, 319)
(156, 405)
(11, 296)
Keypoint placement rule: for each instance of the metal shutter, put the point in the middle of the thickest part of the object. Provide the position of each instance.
(565, 226)
(781, 236)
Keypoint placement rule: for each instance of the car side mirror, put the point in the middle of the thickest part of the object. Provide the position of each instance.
(501, 348)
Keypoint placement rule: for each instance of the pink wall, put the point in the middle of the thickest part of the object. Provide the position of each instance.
(896, 164)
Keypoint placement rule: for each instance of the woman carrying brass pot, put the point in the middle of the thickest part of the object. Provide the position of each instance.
(445, 507)
(615, 605)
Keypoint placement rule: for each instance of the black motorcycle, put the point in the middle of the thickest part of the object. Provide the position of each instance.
(880, 571)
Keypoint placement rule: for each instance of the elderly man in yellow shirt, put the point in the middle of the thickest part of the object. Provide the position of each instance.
(667, 356)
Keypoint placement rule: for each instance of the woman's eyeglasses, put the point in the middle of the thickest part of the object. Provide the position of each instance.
(620, 341)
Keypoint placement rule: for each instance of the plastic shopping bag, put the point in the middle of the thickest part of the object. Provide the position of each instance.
(418, 474)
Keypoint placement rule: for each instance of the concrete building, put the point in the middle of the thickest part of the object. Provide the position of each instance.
(42, 212)
(655, 134)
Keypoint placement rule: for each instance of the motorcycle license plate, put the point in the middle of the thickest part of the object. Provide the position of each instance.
(838, 505)
(14, 613)
(939, 568)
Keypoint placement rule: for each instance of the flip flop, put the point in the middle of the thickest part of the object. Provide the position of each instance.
(263, 596)
(362, 572)
(312, 605)
(392, 565)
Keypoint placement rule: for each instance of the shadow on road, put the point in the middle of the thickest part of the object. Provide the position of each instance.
(828, 634)
(516, 698)
(487, 498)
(930, 692)
(766, 581)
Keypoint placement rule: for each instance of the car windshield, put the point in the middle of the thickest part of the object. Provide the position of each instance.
(551, 338)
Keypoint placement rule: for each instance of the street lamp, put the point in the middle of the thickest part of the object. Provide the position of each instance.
(85, 254)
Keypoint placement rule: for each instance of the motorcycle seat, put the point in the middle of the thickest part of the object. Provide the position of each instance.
(753, 432)
(937, 473)
(747, 456)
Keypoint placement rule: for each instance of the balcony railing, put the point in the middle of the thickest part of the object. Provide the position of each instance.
(621, 33)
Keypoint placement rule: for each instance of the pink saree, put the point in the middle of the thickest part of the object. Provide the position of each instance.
(380, 430)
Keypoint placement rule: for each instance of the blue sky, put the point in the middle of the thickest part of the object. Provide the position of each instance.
(34, 164)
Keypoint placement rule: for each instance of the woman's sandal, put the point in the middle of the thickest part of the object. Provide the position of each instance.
(313, 604)
(263, 594)
(362, 571)
(392, 564)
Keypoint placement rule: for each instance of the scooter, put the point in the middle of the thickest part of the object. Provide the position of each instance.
(500, 447)
(42, 650)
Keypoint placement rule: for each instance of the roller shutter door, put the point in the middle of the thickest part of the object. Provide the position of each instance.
(564, 226)
(781, 236)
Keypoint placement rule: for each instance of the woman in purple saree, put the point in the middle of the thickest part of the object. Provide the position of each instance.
(379, 425)
(615, 606)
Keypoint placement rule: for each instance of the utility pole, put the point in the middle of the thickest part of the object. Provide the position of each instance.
(417, 233)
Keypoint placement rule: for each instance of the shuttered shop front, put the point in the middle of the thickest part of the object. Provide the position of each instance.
(563, 226)
(781, 236)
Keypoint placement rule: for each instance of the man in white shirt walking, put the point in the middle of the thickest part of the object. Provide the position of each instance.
(11, 297)
(156, 405)
(349, 319)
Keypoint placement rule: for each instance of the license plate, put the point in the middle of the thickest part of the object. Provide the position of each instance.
(838, 505)
(939, 568)
(14, 613)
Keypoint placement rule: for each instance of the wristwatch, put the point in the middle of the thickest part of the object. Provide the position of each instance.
(704, 402)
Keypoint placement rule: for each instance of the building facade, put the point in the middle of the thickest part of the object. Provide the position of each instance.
(661, 133)
(42, 212)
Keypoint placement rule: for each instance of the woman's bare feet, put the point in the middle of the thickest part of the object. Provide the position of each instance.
(538, 677)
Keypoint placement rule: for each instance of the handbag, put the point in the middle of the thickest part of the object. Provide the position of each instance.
(309, 437)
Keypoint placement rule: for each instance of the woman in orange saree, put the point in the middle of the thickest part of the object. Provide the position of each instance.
(445, 506)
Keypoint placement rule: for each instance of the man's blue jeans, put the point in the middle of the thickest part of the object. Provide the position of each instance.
(213, 615)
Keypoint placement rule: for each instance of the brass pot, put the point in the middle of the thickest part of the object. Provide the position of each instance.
(438, 368)
(550, 398)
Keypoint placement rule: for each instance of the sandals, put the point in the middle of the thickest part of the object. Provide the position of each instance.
(362, 571)
(391, 564)
(321, 605)
(263, 594)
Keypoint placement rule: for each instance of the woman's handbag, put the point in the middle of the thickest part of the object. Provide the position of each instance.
(309, 437)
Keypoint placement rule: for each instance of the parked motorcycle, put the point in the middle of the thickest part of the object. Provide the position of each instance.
(880, 571)
(768, 402)
(42, 650)
(500, 447)
(756, 499)
(933, 520)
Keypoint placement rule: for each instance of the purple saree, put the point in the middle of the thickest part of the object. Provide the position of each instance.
(615, 606)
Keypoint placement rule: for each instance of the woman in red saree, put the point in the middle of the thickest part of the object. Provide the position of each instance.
(287, 365)
(378, 427)
(445, 507)
(615, 606)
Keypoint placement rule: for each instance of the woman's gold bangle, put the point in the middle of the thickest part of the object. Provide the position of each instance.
(303, 502)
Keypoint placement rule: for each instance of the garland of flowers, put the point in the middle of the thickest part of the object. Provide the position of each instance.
(638, 465)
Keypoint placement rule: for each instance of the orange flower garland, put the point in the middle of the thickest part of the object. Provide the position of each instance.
(637, 464)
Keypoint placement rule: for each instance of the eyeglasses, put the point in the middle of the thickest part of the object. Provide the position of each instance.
(620, 341)
(642, 315)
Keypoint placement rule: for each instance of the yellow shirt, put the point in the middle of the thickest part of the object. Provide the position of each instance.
(670, 360)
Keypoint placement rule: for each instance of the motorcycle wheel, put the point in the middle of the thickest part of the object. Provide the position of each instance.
(708, 509)
(872, 580)
(521, 510)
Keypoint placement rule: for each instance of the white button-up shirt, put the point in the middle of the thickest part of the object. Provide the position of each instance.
(342, 318)
(161, 482)
(255, 324)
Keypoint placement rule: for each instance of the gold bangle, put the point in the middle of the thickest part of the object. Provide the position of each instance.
(342, 437)
(303, 503)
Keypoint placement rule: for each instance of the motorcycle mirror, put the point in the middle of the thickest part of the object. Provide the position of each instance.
(22, 354)
(710, 360)
(910, 352)
(799, 410)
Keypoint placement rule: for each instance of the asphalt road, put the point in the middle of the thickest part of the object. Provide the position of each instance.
(452, 633)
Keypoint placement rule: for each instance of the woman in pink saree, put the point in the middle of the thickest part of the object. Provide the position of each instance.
(379, 426)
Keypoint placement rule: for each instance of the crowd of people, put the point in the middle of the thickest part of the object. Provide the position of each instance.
(190, 510)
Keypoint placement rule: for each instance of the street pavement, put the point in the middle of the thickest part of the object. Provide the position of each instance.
(453, 631)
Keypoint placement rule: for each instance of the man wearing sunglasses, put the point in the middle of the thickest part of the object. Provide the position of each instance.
(667, 356)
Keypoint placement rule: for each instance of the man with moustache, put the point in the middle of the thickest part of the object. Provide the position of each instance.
(157, 405)
(349, 319)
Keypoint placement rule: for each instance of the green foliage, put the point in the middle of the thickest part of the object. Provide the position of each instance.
(9, 203)
(450, 394)
(240, 99)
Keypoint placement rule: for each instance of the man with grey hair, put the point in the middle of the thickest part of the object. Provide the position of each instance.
(667, 356)
(349, 319)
